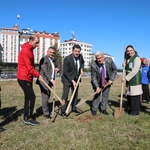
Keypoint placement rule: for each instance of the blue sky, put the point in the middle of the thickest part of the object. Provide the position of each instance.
(109, 25)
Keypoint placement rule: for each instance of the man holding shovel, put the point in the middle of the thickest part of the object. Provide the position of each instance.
(103, 72)
(47, 71)
(72, 67)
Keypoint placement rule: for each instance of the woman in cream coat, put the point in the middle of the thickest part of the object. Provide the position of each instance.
(133, 80)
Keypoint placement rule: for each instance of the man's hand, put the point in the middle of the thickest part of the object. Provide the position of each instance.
(53, 82)
(40, 78)
(56, 70)
(110, 82)
(98, 90)
(81, 72)
(74, 83)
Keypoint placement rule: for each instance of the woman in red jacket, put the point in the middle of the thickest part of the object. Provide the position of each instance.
(25, 74)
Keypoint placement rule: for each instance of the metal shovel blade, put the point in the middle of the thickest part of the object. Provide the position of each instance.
(118, 112)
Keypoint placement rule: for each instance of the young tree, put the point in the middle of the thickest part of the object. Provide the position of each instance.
(57, 58)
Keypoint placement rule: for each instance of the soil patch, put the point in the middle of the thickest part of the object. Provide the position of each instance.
(88, 118)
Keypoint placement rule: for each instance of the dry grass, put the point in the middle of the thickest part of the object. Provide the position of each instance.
(78, 132)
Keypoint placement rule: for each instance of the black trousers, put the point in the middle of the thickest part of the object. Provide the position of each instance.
(29, 98)
(134, 104)
(145, 95)
(66, 89)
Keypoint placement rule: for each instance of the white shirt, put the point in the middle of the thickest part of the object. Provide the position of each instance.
(53, 68)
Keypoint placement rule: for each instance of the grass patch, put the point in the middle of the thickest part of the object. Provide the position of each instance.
(78, 132)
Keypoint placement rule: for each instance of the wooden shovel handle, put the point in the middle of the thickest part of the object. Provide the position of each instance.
(53, 92)
(67, 110)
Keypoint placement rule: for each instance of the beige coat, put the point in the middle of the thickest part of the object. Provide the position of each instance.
(134, 90)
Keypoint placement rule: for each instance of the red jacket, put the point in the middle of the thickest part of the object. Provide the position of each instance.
(26, 70)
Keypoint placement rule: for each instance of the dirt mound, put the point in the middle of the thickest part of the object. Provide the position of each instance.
(88, 118)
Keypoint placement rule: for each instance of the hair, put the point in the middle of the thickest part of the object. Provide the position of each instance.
(99, 53)
(132, 48)
(76, 46)
(32, 37)
(129, 46)
(51, 47)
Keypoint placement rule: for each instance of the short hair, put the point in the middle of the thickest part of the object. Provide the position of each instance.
(51, 47)
(76, 46)
(32, 37)
(99, 53)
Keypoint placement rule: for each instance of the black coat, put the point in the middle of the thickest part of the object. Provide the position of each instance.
(69, 69)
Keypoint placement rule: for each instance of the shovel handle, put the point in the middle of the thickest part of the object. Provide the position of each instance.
(52, 91)
(73, 94)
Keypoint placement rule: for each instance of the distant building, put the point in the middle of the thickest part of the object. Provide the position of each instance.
(66, 49)
(9, 39)
(46, 40)
(12, 39)
(1, 49)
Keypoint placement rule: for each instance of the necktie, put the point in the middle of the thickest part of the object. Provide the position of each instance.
(103, 75)
(76, 64)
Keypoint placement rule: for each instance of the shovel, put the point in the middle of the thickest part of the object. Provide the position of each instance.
(83, 101)
(119, 110)
(53, 109)
(67, 110)
(62, 102)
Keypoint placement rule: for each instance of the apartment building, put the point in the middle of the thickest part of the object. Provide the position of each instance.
(66, 49)
(46, 40)
(12, 39)
(9, 40)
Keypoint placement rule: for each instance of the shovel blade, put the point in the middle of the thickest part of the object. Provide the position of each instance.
(118, 112)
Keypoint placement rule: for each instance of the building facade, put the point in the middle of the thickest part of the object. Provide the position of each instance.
(9, 40)
(12, 39)
(66, 48)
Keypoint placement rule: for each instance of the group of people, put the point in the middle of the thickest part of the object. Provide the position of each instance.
(103, 73)
(73, 66)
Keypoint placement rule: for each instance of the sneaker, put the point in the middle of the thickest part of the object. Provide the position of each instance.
(31, 122)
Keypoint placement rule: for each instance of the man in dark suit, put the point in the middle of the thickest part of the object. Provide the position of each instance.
(47, 71)
(72, 67)
(102, 69)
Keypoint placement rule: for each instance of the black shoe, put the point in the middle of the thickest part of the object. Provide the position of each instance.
(76, 111)
(63, 114)
(30, 122)
(94, 113)
(134, 114)
(47, 116)
(105, 112)
(2, 129)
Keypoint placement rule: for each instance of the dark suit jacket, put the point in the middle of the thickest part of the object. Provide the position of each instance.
(69, 69)
(111, 71)
(45, 70)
